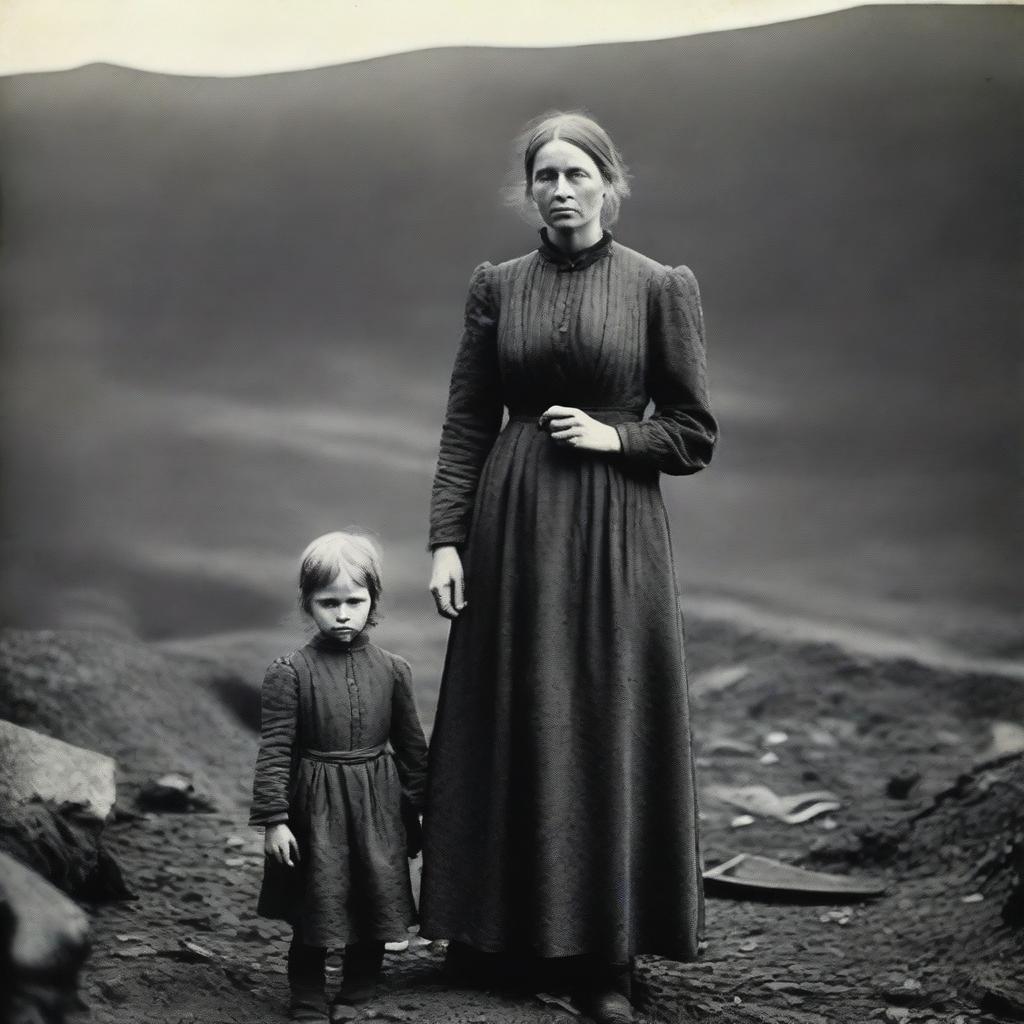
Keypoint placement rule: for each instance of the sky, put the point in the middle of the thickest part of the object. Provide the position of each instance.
(247, 37)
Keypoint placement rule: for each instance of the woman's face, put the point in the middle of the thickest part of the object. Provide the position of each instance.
(567, 187)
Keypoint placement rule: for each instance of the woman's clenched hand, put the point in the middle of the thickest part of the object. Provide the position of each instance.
(574, 428)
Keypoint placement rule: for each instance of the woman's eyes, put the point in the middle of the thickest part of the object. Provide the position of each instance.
(576, 172)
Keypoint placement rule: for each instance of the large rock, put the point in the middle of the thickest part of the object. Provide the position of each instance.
(43, 943)
(34, 766)
(64, 847)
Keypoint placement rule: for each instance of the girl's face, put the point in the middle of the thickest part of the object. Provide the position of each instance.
(567, 187)
(341, 608)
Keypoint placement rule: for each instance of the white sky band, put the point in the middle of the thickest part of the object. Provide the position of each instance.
(248, 37)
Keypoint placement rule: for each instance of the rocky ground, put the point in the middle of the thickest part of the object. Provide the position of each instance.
(912, 751)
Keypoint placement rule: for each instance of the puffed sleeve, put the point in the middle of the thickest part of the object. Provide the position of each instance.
(279, 703)
(679, 437)
(473, 418)
(407, 738)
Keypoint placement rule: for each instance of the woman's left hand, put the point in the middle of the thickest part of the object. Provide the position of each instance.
(574, 428)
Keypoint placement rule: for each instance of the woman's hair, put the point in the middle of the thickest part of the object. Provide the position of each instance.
(580, 129)
(341, 553)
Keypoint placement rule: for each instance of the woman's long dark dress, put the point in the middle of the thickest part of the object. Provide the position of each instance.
(561, 812)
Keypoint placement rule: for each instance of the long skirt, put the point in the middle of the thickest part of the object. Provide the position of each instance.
(561, 817)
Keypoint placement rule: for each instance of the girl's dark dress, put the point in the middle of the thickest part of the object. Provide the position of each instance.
(561, 814)
(329, 710)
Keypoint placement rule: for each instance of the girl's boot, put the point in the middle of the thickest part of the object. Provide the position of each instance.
(306, 981)
(360, 971)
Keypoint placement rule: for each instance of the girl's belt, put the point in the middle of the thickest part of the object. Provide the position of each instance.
(345, 756)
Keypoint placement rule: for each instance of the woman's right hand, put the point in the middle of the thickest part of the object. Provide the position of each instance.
(447, 582)
(280, 845)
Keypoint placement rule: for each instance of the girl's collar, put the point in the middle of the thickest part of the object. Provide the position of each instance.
(574, 260)
(332, 643)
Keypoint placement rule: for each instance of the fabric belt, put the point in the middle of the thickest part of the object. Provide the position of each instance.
(345, 756)
(604, 414)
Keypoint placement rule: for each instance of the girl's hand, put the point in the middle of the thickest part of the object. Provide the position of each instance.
(447, 582)
(574, 428)
(279, 844)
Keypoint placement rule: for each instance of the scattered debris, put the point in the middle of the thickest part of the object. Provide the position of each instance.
(975, 897)
(714, 680)
(397, 947)
(760, 800)
(773, 739)
(742, 821)
(174, 793)
(563, 1004)
(1007, 738)
(750, 871)
(841, 917)
(194, 951)
(726, 746)
(769, 758)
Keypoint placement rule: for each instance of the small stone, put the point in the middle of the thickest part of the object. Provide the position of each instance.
(133, 952)
(234, 862)
(908, 993)
(741, 821)
(197, 951)
(769, 758)
(899, 785)
(975, 897)
(896, 1014)
(774, 738)
(234, 842)
(115, 991)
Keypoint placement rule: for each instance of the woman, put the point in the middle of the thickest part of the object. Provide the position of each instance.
(561, 816)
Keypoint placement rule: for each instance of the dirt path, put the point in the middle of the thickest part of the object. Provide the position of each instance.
(190, 949)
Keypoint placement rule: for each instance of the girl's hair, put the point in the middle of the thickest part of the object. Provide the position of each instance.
(580, 129)
(341, 553)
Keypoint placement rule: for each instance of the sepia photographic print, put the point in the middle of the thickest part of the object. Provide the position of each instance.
(511, 516)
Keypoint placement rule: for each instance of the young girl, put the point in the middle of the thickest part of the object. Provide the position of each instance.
(341, 749)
